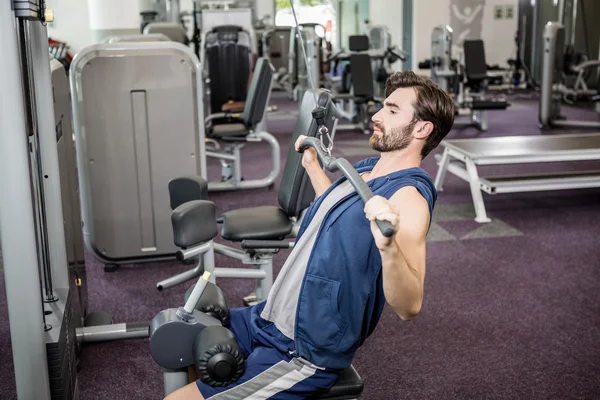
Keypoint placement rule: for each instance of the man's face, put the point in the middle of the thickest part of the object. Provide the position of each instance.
(393, 125)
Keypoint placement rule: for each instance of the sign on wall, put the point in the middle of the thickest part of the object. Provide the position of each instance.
(466, 18)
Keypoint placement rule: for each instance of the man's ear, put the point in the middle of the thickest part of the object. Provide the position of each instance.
(424, 129)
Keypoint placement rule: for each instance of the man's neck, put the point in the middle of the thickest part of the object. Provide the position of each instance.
(395, 161)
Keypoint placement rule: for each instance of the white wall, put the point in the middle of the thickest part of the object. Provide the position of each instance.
(389, 13)
(265, 7)
(71, 23)
(72, 20)
(498, 35)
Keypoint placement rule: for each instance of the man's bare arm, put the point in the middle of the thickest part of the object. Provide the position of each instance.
(310, 161)
(403, 256)
(318, 178)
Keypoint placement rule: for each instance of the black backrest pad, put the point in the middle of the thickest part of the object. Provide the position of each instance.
(228, 66)
(296, 192)
(258, 94)
(193, 223)
(187, 188)
(361, 75)
(358, 43)
(475, 65)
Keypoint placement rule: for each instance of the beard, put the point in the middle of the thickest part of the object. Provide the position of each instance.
(397, 139)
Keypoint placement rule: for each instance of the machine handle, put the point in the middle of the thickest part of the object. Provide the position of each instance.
(332, 164)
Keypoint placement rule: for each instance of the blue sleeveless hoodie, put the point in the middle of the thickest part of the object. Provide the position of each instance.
(341, 297)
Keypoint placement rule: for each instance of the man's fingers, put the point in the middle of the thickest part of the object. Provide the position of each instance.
(391, 217)
(298, 141)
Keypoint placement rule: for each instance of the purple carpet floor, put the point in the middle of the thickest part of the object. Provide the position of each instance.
(511, 311)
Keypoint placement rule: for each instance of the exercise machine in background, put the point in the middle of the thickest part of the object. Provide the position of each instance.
(300, 74)
(466, 81)
(355, 96)
(552, 87)
(275, 45)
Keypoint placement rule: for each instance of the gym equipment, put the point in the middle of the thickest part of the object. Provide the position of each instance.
(275, 45)
(340, 164)
(151, 37)
(235, 130)
(461, 157)
(32, 231)
(451, 76)
(174, 31)
(444, 70)
(175, 333)
(138, 121)
(304, 40)
(207, 19)
(260, 230)
(45, 295)
(60, 51)
(196, 334)
(380, 37)
(384, 54)
(188, 336)
(360, 102)
(226, 60)
(162, 11)
(69, 188)
(552, 88)
(476, 98)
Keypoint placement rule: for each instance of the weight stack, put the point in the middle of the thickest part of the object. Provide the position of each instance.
(61, 343)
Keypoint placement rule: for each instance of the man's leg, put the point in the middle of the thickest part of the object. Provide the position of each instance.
(270, 374)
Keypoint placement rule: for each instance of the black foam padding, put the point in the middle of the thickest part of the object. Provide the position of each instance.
(194, 223)
(216, 345)
(362, 76)
(358, 43)
(258, 93)
(296, 192)
(489, 104)
(348, 386)
(475, 64)
(187, 188)
(212, 302)
(229, 67)
(256, 223)
(425, 64)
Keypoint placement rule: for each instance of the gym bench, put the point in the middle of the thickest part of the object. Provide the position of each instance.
(461, 157)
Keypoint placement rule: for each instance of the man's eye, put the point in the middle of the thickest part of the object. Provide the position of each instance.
(392, 112)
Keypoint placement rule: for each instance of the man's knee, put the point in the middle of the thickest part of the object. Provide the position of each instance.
(188, 392)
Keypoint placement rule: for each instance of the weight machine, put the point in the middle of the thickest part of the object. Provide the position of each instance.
(552, 87)
(453, 76)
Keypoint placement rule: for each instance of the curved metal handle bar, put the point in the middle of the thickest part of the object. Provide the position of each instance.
(332, 164)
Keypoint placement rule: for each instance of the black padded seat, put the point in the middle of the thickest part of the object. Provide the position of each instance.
(256, 223)
(349, 386)
(489, 104)
(227, 130)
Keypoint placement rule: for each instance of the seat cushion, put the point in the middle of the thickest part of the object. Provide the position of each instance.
(233, 106)
(229, 130)
(256, 223)
(349, 386)
(489, 104)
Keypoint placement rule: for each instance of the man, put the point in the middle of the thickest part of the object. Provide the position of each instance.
(331, 291)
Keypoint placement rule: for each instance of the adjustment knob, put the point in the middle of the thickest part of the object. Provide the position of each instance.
(49, 15)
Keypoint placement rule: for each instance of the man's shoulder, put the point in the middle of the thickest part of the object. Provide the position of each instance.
(367, 162)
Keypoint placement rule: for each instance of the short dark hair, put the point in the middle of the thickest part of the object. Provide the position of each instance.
(433, 104)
